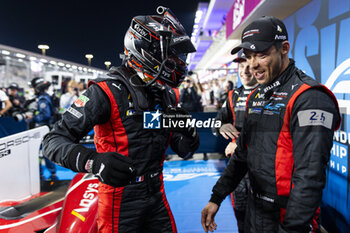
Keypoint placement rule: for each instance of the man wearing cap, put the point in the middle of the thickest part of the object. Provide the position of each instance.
(286, 138)
(16, 100)
(231, 116)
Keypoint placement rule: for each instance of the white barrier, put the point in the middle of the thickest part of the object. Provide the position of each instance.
(19, 164)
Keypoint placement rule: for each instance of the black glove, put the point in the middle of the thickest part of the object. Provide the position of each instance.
(184, 146)
(185, 140)
(111, 168)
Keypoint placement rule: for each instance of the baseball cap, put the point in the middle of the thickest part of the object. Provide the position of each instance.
(240, 57)
(14, 86)
(261, 34)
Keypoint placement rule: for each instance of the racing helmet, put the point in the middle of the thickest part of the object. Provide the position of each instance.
(39, 84)
(156, 46)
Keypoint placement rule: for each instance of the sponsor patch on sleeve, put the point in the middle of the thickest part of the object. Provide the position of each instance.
(42, 105)
(74, 112)
(313, 117)
(81, 101)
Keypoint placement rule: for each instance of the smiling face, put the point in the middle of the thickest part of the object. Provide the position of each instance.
(245, 75)
(269, 64)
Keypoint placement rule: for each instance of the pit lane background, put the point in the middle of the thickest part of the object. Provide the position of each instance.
(319, 34)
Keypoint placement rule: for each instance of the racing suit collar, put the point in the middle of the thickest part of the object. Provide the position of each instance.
(280, 80)
(250, 87)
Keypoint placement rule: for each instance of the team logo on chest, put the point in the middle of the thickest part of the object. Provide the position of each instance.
(273, 108)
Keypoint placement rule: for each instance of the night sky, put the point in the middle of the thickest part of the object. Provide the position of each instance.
(73, 28)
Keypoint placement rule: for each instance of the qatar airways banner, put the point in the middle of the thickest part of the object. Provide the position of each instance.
(19, 164)
(319, 34)
(238, 12)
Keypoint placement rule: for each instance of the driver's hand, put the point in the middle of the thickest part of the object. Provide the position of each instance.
(208, 215)
(230, 149)
(229, 131)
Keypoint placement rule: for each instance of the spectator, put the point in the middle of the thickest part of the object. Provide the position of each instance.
(17, 101)
(209, 93)
(224, 94)
(286, 138)
(217, 90)
(5, 103)
(68, 98)
(81, 87)
(189, 98)
(43, 116)
(204, 94)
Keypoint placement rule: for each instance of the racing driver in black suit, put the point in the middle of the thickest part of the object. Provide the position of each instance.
(125, 110)
(285, 142)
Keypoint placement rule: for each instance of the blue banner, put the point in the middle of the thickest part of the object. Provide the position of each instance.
(9, 126)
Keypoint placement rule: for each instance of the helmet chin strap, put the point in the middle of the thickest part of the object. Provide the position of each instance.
(156, 76)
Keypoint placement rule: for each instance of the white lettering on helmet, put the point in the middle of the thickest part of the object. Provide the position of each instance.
(179, 39)
(140, 30)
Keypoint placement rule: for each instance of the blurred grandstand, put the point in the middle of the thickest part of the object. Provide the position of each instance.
(20, 66)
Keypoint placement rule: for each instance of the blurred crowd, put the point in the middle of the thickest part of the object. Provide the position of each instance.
(204, 97)
(21, 105)
(42, 104)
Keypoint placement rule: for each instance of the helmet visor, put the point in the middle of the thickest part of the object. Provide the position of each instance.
(180, 42)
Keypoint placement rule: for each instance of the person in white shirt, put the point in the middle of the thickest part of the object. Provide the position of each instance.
(69, 97)
(5, 103)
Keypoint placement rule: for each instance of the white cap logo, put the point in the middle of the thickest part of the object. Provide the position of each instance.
(252, 46)
(279, 28)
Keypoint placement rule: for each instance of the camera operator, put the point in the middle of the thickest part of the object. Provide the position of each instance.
(17, 101)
